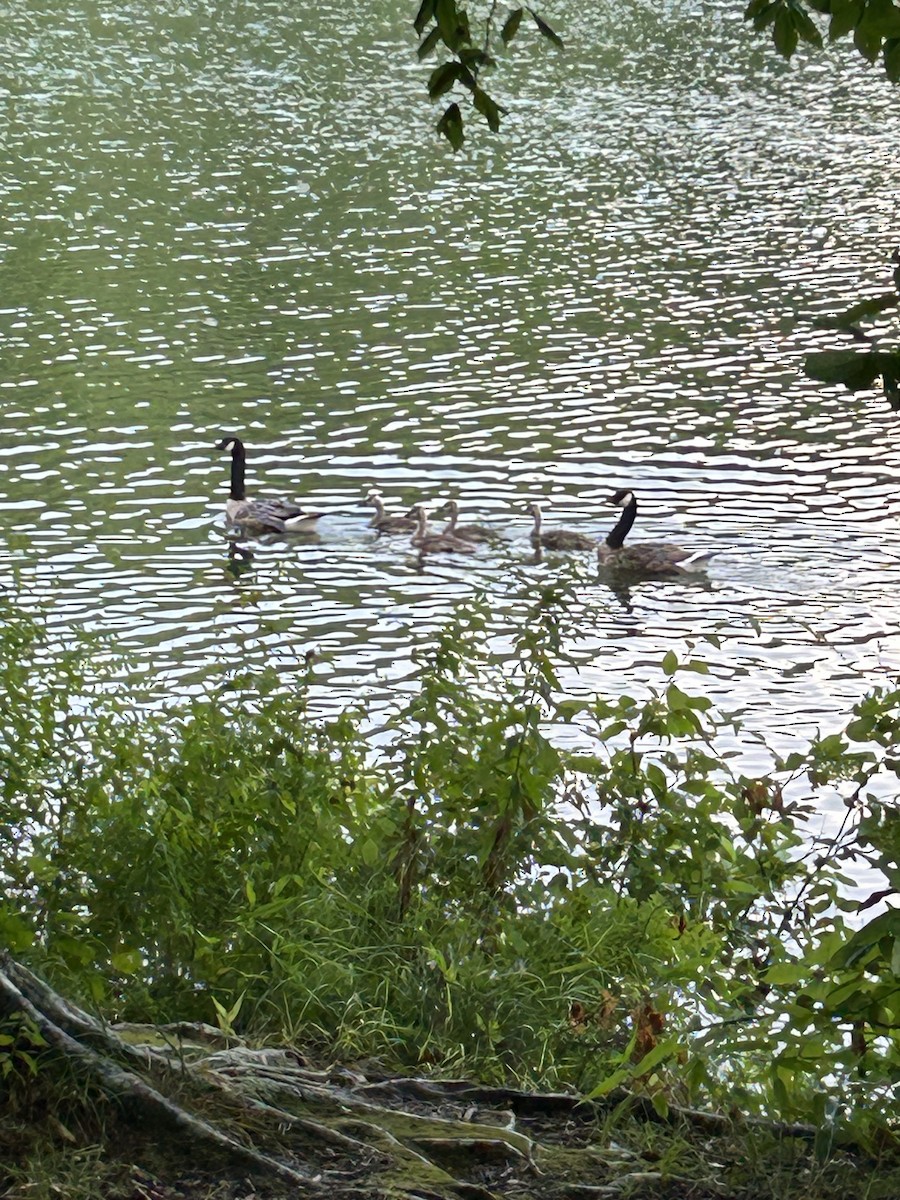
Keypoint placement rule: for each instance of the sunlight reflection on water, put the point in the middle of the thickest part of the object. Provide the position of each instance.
(204, 233)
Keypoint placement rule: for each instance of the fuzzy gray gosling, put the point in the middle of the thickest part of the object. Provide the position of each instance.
(435, 543)
(557, 539)
(469, 533)
(382, 521)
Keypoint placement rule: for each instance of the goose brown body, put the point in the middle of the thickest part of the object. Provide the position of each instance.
(647, 558)
(435, 543)
(383, 521)
(557, 539)
(260, 515)
(469, 533)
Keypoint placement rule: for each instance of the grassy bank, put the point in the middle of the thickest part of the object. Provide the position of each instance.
(473, 900)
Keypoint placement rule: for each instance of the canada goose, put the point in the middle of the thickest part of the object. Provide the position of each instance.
(265, 515)
(382, 522)
(469, 533)
(435, 543)
(649, 558)
(557, 539)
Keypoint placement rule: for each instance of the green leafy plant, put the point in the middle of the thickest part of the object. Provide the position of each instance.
(875, 25)
(472, 896)
(445, 28)
(859, 369)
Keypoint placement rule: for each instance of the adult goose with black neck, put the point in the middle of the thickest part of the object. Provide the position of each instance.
(261, 514)
(645, 558)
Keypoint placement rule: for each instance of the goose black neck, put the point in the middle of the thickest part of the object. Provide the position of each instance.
(615, 539)
(238, 461)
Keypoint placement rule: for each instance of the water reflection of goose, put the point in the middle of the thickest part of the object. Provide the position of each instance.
(435, 543)
(385, 523)
(557, 539)
(648, 558)
(263, 514)
(469, 533)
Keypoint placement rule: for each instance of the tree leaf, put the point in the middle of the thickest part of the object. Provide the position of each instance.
(471, 56)
(892, 59)
(787, 973)
(882, 17)
(14, 933)
(845, 15)
(546, 30)
(451, 126)
(867, 41)
(806, 28)
(670, 662)
(766, 15)
(511, 25)
(857, 371)
(658, 1054)
(697, 665)
(886, 926)
(865, 308)
(489, 109)
(126, 962)
(605, 1086)
(442, 78)
(424, 15)
(784, 34)
(452, 23)
(429, 43)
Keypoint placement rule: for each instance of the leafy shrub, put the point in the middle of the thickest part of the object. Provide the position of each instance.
(471, 896)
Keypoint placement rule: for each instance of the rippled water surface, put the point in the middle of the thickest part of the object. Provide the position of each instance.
(238, 219)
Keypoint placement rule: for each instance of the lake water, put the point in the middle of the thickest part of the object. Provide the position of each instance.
(239, 220)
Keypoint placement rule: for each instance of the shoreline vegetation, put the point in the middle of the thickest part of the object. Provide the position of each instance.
(630, 926)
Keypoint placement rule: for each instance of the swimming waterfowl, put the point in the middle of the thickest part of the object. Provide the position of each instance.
(469, 533)
(385, 523)
(648, 558)
(263, 514)
(435, 543)
(557, 539)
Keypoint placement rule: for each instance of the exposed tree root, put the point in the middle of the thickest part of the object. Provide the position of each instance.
(342, 1134)
(132, 1092)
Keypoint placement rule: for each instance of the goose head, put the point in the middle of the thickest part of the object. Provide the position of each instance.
(623, 497)
(537, 516)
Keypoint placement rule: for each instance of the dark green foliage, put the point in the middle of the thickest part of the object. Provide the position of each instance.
(511, 25)
(469, 56)
(859, 369)
(856, 369)
(471, 44)
(473, 897)
(874, 25)
(451, 126)
(545, 29)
